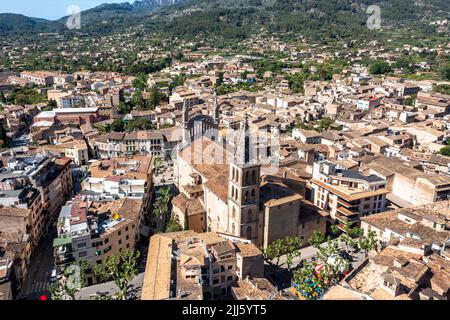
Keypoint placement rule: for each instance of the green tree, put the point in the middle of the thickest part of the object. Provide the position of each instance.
(155, 97)
(325, 124)
(121, 269)
(118, 125)
(444, 89)
(445, 151)
(335, 230)
(307, 283)
(368, 243)
(444, 71)
(161, 205)
(274, 251)
(74, 279)
(316, 239)
(52, 104)
(157, 164)
(173, 226)
(379, 67)
(140, 82)
(292, 249)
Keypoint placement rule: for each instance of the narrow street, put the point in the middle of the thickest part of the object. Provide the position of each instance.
(40, 268)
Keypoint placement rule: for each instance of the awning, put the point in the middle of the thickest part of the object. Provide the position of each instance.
(58, 242)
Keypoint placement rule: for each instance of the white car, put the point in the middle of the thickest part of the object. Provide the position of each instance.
(54, 275)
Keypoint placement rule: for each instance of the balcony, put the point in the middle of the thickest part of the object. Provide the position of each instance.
(347, 204)
(345, 219)
(64, 259)
(346, 212)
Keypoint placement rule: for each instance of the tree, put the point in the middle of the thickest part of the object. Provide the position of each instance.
(368, 243)
(307, 283)
(353, 232)
(161, 205)
(157, 164)
(445, 151)
(140, 82)
(442, 88)
(155, 97)
(173, 226)
(444, 71)
(316, 239)
(274, 251)
(52, 104)
(139, 124)
(137, 100)
(118, 125)
(325, 124)
(121, 269)
(335, 230)
(292, 249)
(288, 246)
(379, 67)
(74, 278)
(186, 219)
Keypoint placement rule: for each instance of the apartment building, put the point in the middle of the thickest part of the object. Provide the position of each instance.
(115, 186)
(95, 229)
(178, 99)
(194, 266)
(41, 78)
(133, 143)
(347, 195)
(22, 225)
(51, 177)
(122, 177)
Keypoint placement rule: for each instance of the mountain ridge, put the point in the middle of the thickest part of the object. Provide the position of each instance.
(239, 18)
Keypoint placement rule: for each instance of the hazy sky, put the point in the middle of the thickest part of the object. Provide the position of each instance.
(48, 9)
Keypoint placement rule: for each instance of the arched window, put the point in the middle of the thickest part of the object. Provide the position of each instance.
(246, 195)
(253, 176)
(249, 232)
(246, 178)
(249, 215)
(233, 174)
(234, 213)
(253, 193)
(232, 191)
(233, 229)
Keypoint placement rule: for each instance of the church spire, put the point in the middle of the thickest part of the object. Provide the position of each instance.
(185, 120)
(243, 153)
(216, 112)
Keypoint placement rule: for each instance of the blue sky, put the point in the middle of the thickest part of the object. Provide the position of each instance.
(49, 9)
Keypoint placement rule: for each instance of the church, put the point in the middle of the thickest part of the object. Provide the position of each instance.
(222, 188)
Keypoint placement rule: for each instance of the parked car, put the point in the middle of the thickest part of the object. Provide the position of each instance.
(54, 275)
